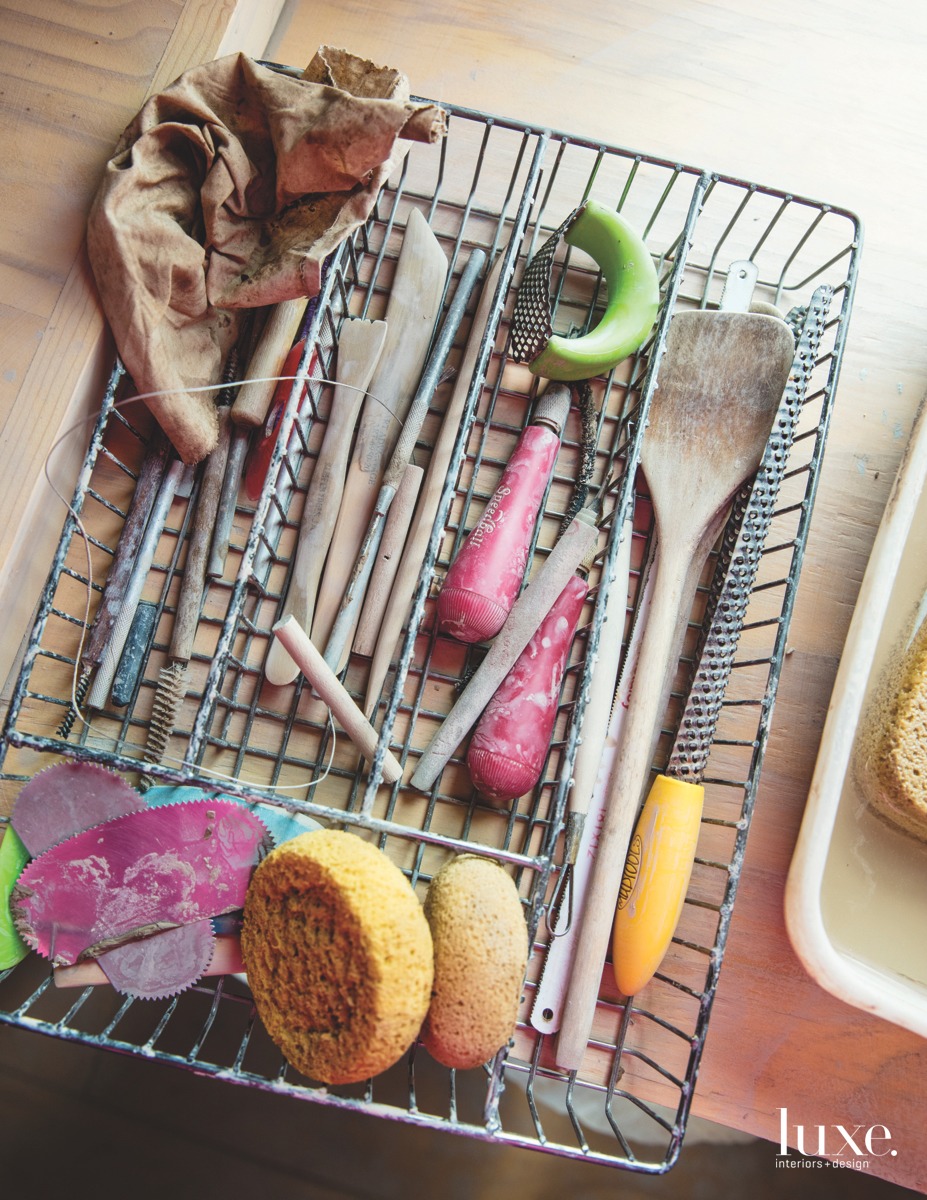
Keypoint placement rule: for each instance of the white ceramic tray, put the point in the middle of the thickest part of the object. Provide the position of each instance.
(856, 897)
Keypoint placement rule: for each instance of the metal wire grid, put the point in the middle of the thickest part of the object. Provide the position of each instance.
(504, 186)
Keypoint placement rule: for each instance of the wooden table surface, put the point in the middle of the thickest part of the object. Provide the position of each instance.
(811, 96)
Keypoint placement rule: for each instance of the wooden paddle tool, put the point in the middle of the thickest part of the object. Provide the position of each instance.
(414, 303)
(349, 610)
(359, 346)
(718, 390)
(663, 848)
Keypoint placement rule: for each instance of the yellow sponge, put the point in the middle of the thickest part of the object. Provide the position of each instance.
(891, 754)
(338, 955)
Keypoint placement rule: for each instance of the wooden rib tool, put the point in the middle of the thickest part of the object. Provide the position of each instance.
(359, 346)
(339, 642)
(413, 307)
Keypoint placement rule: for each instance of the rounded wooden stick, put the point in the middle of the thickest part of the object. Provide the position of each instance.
(329, 688)
(253, 400)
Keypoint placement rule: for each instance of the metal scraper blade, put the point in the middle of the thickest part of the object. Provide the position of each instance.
(65, 799)
(135, 875)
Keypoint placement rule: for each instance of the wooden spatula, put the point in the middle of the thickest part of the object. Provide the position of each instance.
(711, 414)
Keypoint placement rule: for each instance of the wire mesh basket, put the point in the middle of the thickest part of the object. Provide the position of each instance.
(502, 186)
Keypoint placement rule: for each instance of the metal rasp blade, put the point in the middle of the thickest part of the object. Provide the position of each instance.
(136, 875)
(808, 328)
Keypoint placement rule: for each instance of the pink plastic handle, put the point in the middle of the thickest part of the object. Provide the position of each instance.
(511, 739)
(485, 577)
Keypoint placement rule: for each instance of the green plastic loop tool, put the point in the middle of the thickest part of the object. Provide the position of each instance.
(633, 297)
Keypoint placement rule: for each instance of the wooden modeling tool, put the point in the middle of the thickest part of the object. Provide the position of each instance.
(413, 555)
(413, 307)
(360, 344)
(237, 452)
(389, 555)
(253, 401)
(339, 642)
(718, 390)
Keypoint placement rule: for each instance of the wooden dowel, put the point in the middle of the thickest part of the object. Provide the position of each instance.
(329, 688)
(252, 403)
(388, 558)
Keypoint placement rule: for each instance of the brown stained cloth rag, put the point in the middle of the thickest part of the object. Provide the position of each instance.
(228, 191)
